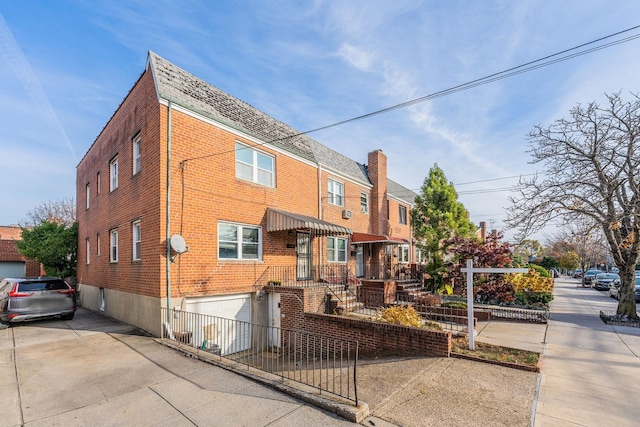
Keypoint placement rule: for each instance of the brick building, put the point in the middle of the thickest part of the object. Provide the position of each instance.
(12, 263)
(191, 198)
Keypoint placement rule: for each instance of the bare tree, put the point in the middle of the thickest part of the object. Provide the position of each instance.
(61, 211)
(591, 169)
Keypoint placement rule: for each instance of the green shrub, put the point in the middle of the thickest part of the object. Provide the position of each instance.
(454, 304)
(541, 270)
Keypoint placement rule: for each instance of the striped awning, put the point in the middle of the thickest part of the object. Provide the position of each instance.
(360, 238)
(278, 220)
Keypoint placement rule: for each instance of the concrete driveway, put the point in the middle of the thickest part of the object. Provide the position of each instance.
(96, 371)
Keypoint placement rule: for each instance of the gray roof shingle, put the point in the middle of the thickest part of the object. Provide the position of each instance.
(183, 88)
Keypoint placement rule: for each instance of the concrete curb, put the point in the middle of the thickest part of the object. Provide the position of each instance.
(334, 404)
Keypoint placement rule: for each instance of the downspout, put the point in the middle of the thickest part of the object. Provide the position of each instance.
(168, 213)
(319, 208)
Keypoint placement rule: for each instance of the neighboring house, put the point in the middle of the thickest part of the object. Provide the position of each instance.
(12, 263)
(256, 203)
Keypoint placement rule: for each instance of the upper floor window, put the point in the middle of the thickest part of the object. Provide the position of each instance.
(98, 183)
(402, 214)
(336, 192)
(137, 158)
(336, 249)
(364, 202)
(88, 250)
(135, 232)
(236, 241)
(88, 191)
(255, 166)
(113, 245)
(113, 174)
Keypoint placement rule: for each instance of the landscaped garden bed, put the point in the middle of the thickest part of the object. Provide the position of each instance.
(494, 354)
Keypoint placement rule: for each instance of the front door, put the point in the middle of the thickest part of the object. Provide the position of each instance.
(303, 253)
(274, 320)
(360, 261)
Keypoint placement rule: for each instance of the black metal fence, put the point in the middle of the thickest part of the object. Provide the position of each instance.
(328, 364)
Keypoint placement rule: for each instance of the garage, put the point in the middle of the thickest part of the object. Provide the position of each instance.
(229, 334)
(12, 269)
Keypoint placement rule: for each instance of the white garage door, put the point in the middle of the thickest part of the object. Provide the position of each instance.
(12, 269)
(230, 335)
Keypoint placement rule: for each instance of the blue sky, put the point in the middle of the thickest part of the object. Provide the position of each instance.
(67, 65)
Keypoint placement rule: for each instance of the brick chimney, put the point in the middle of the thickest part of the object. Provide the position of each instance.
(379, 208)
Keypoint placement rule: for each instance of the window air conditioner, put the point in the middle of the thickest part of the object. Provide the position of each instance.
(346, 214)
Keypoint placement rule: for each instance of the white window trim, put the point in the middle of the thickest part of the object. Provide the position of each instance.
(113, 245)
(98, 183)
(98, 244)
(136, 155)
(402, 251)
(364, 209)
(88, 251)
(136, 234)
(336, 251)
(88, 188)
(331, 195)
(402, 219)
(113, 174)
(239, 228)
(254, 165)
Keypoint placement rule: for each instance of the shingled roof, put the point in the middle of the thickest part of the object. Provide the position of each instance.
(183, 88)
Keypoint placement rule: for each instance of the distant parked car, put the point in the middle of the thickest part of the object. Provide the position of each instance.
(576, 274)
(31, 298)
(603, 281)
(614, 290)
(589, 275)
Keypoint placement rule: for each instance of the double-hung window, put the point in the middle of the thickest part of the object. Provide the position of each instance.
(364, 202)
(137, 158)
(336, 249)
(113, 245)
(403, 256)
(113, 174)
(135, 233)
(255, 166)
(98, 244)
(402, 214)
(335, 192)
(88, 250)
(88, 192)
(239, 241)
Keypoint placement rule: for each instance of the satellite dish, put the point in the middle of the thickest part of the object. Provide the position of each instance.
(178, 244)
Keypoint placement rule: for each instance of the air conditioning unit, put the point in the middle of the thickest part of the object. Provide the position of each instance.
(346, 214)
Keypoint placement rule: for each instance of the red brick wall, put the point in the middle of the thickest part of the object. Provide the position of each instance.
(138, 197)
(204, 191)
(381, 339)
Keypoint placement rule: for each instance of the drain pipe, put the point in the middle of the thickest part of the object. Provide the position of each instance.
(168, 218)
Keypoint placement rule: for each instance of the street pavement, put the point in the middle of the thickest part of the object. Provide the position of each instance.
(94, 370)
(590, 372)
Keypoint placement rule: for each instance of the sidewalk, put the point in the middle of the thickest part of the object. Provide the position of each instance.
(590, 371)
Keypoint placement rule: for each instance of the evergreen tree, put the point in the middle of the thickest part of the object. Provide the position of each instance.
(437, 216)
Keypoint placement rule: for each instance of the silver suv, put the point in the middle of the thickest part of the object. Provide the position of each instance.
(30, 298)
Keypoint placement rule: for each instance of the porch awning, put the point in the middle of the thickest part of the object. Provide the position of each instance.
(278, 220)
(359, 238)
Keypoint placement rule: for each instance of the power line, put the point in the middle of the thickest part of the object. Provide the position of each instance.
(529, 66)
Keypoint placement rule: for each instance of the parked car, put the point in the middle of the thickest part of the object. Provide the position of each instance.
(576, 274)
(31, 298)
(589, 275)
(614, 290)
(603, 281)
